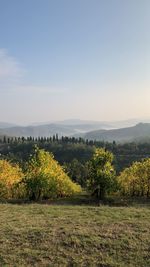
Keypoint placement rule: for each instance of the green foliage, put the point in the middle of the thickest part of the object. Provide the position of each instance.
(66, 149)
(45, 178)
(135, 180)
(101, 173)
(78, 171)
(74, 154)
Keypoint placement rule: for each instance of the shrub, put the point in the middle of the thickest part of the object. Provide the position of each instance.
(135, 180)
(10, 178)
(45, 178)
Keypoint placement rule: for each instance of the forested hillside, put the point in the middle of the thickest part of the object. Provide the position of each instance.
(73, 153)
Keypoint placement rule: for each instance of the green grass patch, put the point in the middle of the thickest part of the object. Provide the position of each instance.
(74, 235)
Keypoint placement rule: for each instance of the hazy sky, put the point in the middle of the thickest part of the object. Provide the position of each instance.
(87, 59)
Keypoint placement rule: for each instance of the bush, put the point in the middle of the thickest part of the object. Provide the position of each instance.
(135, 180)
(45, 178)
(10, 178)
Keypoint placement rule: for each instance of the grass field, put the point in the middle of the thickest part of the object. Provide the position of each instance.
(74, 235)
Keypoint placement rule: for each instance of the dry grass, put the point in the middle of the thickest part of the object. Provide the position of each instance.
(73, 235)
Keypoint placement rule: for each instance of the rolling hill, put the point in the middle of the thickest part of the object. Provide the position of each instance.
(4, 125)
(51, 129)
(91, 130)
(137, 132)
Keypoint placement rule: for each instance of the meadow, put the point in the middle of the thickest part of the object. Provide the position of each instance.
(74, 233)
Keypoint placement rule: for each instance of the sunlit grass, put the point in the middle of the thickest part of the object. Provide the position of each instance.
(73, 235)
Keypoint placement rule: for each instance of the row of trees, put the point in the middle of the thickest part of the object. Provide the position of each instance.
(68, 149)
(42, 177)
(51, 139)
(132, 181)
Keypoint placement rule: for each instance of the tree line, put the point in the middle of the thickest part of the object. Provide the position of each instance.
(73, 153)
(42, 177)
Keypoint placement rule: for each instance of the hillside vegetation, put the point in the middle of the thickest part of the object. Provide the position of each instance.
(41, 178)
(91, 131)
(72, 152)
(60, 226)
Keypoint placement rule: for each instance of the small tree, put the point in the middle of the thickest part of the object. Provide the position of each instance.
(135, 180)
(45, 178)
(101, 173)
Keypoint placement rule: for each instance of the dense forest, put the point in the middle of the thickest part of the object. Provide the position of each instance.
(73, 153)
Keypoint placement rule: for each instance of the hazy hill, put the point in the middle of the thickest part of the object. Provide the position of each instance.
(51, 129)
(97, 124)
(80, 128)
(127, 123)
(72, 122)
(137, 132)
(35, 131)
(4, 125)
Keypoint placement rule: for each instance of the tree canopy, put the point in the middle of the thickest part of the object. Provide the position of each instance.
(45, 178)
(101, 172)
(135, 180)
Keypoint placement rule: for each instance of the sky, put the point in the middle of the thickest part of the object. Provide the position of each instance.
(63, 59)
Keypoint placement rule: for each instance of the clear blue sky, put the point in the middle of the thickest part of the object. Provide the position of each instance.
(87, 59)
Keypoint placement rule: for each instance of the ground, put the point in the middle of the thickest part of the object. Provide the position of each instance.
(65, 234)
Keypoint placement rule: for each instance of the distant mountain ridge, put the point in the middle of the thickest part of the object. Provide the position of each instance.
(4, 125)
(137, 132)
(51, 129)
(87, 129)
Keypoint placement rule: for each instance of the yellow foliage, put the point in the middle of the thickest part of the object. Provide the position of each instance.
(135, 180)
(10, 176)
(46, 178)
